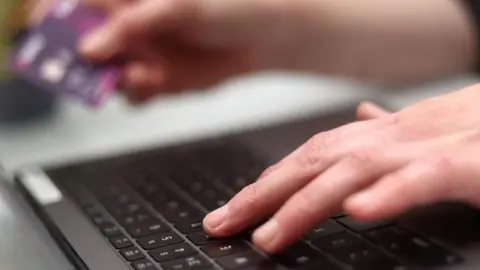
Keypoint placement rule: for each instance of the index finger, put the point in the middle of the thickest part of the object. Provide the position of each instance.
(265, 196)
(139, 19)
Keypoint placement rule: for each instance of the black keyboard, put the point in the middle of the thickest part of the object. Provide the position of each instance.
(150, 208)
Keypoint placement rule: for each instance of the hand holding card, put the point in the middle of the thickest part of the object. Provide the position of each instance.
(48, 57)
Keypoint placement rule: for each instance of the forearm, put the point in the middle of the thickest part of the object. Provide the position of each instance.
(402, 41)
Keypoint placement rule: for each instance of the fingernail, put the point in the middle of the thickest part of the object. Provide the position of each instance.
(216, 218)
(266, 234)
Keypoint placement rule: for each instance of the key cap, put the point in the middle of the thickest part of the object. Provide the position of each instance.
(364, 256)
(249, 258)
(173, 252)
(132, 254)
(120, 242)
(110, 230)
(92, 210)
(141, 216)
(147, 229)
(119, 210)
(361, 226)
(302, 256)
(214, 204)
(210, 197)
(189, 226)
(101, 220)
(412, 247)
(336, 241)
(123, 198)
(190, 263)
(144, 264)
(200, 238)
(225, 247)
(182, 214)
(169, 203)
(159, 240)
(326, 228)
(150, 190)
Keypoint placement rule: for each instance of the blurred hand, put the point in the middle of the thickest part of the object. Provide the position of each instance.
(174, 45)
(374, 169)
(189, 44)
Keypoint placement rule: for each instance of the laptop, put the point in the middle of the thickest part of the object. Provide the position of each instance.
(143, 210)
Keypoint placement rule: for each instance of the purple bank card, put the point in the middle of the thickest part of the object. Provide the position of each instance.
(47, 55)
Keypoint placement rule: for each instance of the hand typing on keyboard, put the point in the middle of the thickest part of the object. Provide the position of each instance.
(373, 170)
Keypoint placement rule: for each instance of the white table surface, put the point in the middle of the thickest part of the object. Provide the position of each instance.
(78, 132)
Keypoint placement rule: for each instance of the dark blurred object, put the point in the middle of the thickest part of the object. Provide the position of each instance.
(21, 101)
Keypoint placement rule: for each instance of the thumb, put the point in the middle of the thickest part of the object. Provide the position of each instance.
(132, 22)
(368, 111)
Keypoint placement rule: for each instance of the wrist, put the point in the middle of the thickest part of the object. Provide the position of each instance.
(382, 41)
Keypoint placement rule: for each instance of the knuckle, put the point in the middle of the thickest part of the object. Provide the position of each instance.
(314, 150)
(404, 186)
(360, 158)
(304, 205)
(247, 198)
(441, 164)
(443, 167)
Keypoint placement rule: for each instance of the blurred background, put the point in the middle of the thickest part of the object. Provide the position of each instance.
(38, 127)
(68, 130)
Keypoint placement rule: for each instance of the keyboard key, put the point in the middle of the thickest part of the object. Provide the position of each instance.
(200, 238)
(132, 254)
(121, 242)
(361, 226)
(123, 198)
(365, 257)
(239, 183)
(147, 229)
(151, 190)
(110, 230)
(101, 220)
(140, 217)
(144, 264)
(336, 241)
(249, 258)
(303, 256)
(159, 240)
(326, 228)
(412, 247)
(189, 263)
(386, 236)
(173, 252)
(225, 247)
(92, 210)
(189, 226)
(211, 205)
(119, 210)
(169, 203)
(183, 214)
(211, 197)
